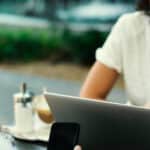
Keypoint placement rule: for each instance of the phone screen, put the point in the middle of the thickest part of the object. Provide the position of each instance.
(64, 136)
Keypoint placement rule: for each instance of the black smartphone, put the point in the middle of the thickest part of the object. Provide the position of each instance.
(63, 136)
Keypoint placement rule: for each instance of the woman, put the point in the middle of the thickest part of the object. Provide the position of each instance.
(126, 52)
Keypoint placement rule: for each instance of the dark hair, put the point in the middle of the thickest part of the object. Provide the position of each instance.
(143, 5)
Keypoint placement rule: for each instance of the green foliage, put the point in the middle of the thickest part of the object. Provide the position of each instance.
(82, 45)
(20, 44)
(26, 44)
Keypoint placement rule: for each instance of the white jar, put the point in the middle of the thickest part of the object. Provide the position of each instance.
(23, 112)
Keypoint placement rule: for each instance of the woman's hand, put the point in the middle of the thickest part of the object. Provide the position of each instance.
(78, 147)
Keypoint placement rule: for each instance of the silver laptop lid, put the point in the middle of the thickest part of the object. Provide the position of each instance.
(103, 125)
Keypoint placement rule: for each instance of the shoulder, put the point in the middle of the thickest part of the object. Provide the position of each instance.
(132, 21)
(135, 17)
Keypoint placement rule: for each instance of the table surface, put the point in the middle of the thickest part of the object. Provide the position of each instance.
(9, 84)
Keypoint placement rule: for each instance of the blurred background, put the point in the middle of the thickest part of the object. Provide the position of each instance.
(55, 38)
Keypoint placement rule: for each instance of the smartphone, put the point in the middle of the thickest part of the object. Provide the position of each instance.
(64, 136)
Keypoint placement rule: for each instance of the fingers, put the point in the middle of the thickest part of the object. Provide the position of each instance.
(78, 147)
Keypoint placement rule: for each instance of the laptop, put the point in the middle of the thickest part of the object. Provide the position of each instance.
(103, 125)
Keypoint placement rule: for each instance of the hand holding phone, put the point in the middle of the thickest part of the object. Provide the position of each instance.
(78, 147)
(64, 136)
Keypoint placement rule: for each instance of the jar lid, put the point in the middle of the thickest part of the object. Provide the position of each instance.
(24, 96)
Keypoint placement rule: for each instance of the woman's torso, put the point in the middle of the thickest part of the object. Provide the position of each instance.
(136, 59)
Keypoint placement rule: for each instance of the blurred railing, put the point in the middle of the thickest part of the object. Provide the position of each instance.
(46, 7)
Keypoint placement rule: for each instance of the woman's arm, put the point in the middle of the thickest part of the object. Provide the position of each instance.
(99, 82)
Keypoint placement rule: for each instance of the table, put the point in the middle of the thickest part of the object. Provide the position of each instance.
(9, 84)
